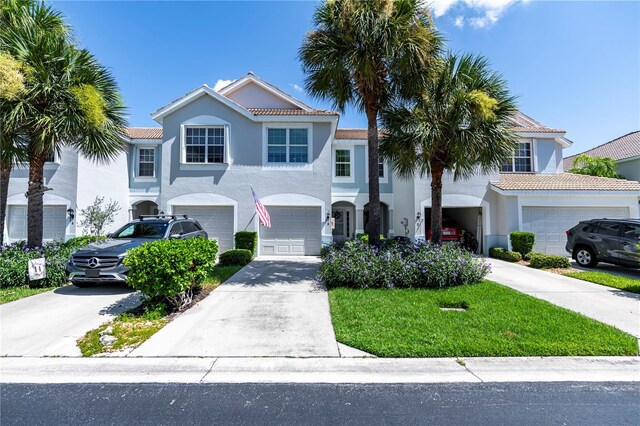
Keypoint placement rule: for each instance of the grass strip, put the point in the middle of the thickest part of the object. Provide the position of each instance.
(493, 320)
(603, 278)
(9, 294)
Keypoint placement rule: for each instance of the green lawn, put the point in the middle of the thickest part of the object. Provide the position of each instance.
(498, 321)
(9, 294)
(607, 279)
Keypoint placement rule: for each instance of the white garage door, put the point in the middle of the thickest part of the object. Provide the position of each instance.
(54, 222)
(217, 221)
(295, 231)
(549, 224)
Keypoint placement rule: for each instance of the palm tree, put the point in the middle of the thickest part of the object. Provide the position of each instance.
(584, 164)
(363, 53)
(70, 100)
(458, 124)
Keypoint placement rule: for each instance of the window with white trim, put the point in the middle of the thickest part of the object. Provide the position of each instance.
(146, 162)
(381, 169)
(288, 145)
(522, 161)
(343, 163)
(204, 145)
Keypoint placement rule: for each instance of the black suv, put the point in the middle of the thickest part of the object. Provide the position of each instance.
(102, 261)
(605, 240)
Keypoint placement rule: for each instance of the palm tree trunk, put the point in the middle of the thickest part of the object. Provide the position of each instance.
(5, 173)
(35, 194)
(373, 227)
(437, 171)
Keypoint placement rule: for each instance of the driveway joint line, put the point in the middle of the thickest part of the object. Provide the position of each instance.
(209, 370)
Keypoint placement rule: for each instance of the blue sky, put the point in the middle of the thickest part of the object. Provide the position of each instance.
(574, 65)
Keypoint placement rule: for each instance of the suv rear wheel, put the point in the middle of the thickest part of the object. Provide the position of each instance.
(585, 257)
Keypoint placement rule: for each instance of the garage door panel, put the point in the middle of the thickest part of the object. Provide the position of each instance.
(216, 220)
(550, 223)
(54, 222)
(295, 231)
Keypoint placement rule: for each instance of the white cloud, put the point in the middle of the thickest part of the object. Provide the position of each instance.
(296, 87)
(484, 13)
(221, 83)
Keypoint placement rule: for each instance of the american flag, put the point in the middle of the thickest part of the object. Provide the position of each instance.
(263, 215)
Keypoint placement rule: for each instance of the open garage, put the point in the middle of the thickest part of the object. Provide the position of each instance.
(468, 219)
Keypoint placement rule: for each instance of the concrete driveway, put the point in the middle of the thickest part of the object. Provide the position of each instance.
(272, 307)
(48, 324)
(618, 308)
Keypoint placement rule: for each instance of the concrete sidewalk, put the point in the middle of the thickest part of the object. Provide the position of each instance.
(272, 307)
(318, 370)
(48, 324)
(618, 308)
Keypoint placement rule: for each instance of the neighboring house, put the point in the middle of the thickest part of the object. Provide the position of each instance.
(625, 150)
(312, 178)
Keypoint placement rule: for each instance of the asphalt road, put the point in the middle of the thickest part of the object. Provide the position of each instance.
(291, 404)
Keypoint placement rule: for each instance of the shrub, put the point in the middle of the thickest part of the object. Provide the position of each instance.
(528, 255)
(14, 260)
(171, 269)
(237, 257)
(522, 242)
(506, 255)
(247, 240)
(357, 264)
(83, 240)
(365, 238)
(548, 261)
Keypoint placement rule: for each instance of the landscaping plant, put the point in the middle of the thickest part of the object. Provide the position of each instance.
(549, 261)
(247, 240)
(522, 242)
(395, 265)
(99, 215)
(238, 257)
(506, 255)
(171, 269)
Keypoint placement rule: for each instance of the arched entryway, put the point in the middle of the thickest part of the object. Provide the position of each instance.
(384, 218)
(144, 208)
(343, 220)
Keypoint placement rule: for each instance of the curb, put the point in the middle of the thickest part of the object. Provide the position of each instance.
(319, 370)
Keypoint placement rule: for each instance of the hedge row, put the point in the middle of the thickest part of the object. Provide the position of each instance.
(237, 257)
(548, 261)
(506, 255)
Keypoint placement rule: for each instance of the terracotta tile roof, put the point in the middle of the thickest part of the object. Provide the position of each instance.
(289, 111)
(144, 132)
(626, 146)
(562, 182)
(521, 124)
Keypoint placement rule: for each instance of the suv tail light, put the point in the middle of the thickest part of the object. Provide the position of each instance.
(569, 233)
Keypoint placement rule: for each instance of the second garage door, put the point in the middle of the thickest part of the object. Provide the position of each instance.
(295, 231)
(217, 221)
(54, 222)
(549, 224)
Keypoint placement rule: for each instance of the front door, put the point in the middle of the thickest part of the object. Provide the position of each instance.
(341, 224)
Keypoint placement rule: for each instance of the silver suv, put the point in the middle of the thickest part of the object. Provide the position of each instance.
(605, 240)
(102, 261)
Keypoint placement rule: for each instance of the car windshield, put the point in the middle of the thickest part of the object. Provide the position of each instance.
(141, 230)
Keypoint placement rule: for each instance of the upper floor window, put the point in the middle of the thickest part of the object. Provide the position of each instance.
(343, 163)
(204, 145)
(287, 145)
(146, 162)
(521, 161)
(381, 169)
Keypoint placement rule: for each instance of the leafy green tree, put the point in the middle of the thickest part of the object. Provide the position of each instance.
(99, 215)
(70, 99)
(584, 164)
(458, 124)
(363, 53)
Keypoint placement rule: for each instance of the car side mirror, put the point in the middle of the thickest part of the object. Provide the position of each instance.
(109, 235)
(175, 236)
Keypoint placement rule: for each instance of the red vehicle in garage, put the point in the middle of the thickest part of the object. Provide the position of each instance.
(450, 230)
